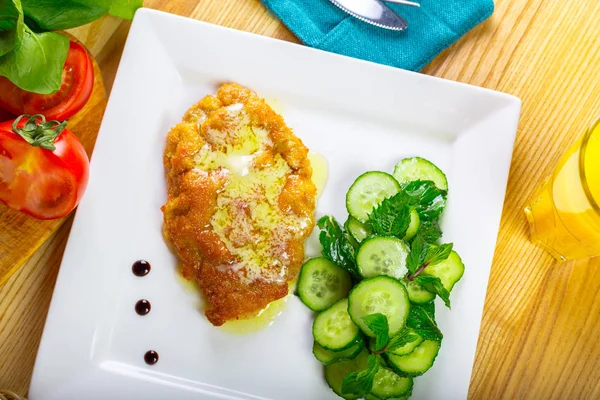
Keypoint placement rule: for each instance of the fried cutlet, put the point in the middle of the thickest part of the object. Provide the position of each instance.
(240, 201)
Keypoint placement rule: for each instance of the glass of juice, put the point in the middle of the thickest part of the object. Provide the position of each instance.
(564, 215)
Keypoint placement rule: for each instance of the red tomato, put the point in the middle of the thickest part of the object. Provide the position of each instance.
(43, 183)
(74, 91)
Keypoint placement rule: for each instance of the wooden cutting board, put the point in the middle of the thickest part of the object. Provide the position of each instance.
(20, 234)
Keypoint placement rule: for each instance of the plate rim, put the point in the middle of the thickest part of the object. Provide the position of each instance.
(513, 105)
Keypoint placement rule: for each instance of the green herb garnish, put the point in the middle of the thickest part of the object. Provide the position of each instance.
(421, 319)
(31, 55)
(361, 382)
(336, 244)
(378, 324)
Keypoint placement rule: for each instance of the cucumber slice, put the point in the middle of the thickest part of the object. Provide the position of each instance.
(388, 384)
(333, 329)
(336, 372)
(413, 227)
(351, 238)
(382, 256)
(416, 363)
(408, 347)
(449, 271)
(322, 283)
(381, 294)
(417, 293)
(367, 191)
(417, 168)
(400, 351)
(403, 397)
(358, 230)
(329, 357)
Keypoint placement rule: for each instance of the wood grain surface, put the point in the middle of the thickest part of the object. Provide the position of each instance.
(20, 234)
(539, 336)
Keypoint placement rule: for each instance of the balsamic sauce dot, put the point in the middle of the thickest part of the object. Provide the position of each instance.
(142, 307)
(151, 357)
(141, 268)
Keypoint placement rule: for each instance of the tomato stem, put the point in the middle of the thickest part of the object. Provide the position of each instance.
(37, 131)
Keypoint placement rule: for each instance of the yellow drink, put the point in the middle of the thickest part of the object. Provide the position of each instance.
(564, 215)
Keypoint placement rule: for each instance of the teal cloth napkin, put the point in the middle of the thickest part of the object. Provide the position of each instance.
(431, 28)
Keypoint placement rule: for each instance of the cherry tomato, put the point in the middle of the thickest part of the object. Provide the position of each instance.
(74, 91)
(44, 169)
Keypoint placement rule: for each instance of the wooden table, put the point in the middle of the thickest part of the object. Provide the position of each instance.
(540, 330)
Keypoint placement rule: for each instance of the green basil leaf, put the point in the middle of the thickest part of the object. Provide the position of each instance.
(50, 15)
(11, 25)
(36, 63)
(124, 8)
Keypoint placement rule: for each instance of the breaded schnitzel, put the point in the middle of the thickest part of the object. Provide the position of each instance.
(240, 201)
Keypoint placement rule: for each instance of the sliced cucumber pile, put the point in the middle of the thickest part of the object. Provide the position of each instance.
(389, 384)
(375, 287)
(416, 362)
(322, 283)
(417, 293)
(404, 397)
(357, 229)
(382, 255)
(402, 350)
(333, 329)
(420, 169)
(449, 271)
(413, 226)
(329, 357)
(383, 295)
(336, 372)
(367, 191)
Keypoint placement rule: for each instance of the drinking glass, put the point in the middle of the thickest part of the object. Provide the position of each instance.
(564, 215)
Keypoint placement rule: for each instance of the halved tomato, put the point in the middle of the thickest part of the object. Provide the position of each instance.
(74, 92)
(44, 169)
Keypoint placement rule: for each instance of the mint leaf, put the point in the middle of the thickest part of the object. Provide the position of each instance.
(421, 318)
(36, 63)
(423, 254)
(336, 244)
(418, 251)
(437, 254)
(378, 324)
(392, 216)
(402, 338)
(11, 25)
(430, 230)
(360, 383)
(51, 15)
(434, 285)
(430, 200)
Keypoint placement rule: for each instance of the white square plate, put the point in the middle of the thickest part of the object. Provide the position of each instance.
(359, 115)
